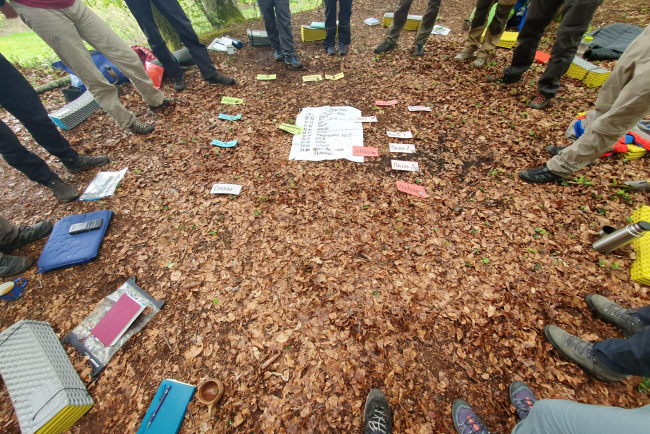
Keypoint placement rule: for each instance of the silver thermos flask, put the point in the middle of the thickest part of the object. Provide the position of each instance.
(621, 237)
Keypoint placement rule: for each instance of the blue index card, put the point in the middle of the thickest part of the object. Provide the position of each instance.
(221, 144)
(226, 117)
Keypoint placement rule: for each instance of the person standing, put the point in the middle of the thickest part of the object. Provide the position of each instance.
(473, 45)
(64, 25)
(576, 17)
(345, 12)
(399, 20)
(13, 238)
(277, 21)
(173, 12)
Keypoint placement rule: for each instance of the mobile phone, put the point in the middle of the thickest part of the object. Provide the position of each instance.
(91, 225)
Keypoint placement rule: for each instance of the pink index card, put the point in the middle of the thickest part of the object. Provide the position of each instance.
(415, 190)
(385, 103)
(362, 151)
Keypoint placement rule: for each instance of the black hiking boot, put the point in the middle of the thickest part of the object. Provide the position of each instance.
(383, 47)
(293, 61)
(343, 49)
(139, 127)
(220, 80)
(12, 265)
(85, 161)
(541, 175)
(166, 103)
(278, 56)
(179, 83)
(28, 234)
(62, 191)
(503, 79)
(418, 51)
(539, 101)
(376, 415)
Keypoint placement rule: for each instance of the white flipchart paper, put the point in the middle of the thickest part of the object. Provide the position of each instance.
(329, 134)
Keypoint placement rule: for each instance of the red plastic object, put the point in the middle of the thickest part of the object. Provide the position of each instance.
(155, 72)
(542, 57)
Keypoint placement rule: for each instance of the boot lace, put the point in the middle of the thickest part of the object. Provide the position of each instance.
(580, 346)
(523, 406)
(539, 98)
(475, 426)
(625, 314)
(378, 421)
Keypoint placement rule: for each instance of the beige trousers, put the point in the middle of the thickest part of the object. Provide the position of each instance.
(623, 101)
(64, 30)
(495, 29)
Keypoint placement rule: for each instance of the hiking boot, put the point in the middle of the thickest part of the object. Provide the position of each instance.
(62, 191)
(293, 61)
(377, 416)
(140, 127)
(554, 150)
(581, 352)
(522, 398)
(383, 47)
(463, 56)
(625, 319)
(343, 49)
(85, 161)
(465, 420)
(12, 265)
(539, 101)
(418, 51)
(278, 56)
(540, 175)
(478, 62)
(503, 79)
(220, 80)
(166, 103)
(28, 234)
(331, 51)
(179, 83)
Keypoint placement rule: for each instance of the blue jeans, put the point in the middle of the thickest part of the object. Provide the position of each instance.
(345, 12)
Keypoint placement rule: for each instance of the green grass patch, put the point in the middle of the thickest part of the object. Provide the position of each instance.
(26, 49)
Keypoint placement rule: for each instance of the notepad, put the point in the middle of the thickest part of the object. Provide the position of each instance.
(117, 320)
(170, 417)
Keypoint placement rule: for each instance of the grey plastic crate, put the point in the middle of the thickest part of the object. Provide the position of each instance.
(74, 113)
(39, 376)
(258, 38)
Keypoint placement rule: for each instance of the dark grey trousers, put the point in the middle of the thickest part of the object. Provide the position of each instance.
(277, 20)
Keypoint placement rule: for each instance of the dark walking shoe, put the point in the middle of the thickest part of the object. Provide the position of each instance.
(220, 80)
(85, 161)
(466, 420)
(625, 319)
(541, 175)
(383, 47)
(62, 191)
(140, 127)
(179, 83)
(539, 101)
(12, 265)
(581, 352)
(522, 398)
(28, 234)
(293, 61)
(503, 79)
(343, 49)
(279, 57)
(331, 51)
(377, 416)
(166, 103)
(554, 150)
(418, 50)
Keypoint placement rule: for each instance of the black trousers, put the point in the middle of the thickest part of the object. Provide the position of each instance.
(20, 99)
(628, 356)
(345, 12)
(170, 9)
(575, 22)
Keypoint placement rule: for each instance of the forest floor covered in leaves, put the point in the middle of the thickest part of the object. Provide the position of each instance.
(321, 281)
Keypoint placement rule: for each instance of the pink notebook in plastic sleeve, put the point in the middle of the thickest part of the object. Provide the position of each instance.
(117, 320)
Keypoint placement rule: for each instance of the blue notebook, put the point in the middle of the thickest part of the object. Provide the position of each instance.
(172, 412)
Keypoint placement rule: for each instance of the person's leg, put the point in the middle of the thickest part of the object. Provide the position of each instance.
(399, 20)
(428, 21)
(18, 157)
(330, 23)
(626, 356)
(496, 28)
(477, 26)
(267, 10)
(8, 231)
(539, 16)
(555, 416)
(644, 314)
(630, 82)
(183, 27)
(141, 10)
(576, 18)
(345, 13)
(283, 15)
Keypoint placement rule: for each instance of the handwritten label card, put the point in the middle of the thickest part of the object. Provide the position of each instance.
(231, 101)
(226, 117)
(335, 76)
(266, 77)
(415, 190)
(311, 77)
(409, 166)
(293, 129)
(402, 147)
(400, 134)
(381, 103)
(419, 108)
(366, 119)
(226, 189)
(362, 151)
(221, 144)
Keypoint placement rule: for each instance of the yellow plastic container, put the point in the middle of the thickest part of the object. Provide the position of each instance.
(508, 39)
(634, 153)
(412, 21)
(310, 34)
(596, 77)
(640, 271)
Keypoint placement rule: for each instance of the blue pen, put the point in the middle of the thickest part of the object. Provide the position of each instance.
(159, 404)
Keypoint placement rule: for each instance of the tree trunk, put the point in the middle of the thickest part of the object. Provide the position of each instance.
(166, 30)
(211, 18)
(223, 12)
